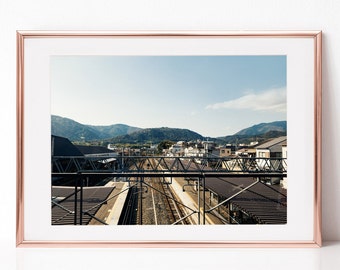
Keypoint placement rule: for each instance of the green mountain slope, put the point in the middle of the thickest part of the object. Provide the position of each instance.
(74, 131)
(156, 135)
(280, 126)
(122, 134)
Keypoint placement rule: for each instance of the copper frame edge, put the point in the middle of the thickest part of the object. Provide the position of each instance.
(167, 244)
(318, 138)
(20, 141)
(316, 242)
(156, 33)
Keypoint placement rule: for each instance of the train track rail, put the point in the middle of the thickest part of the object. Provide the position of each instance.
(176, 210)
(129, 212)
(151, 201)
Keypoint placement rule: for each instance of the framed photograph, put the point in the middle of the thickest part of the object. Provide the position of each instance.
(169, 139)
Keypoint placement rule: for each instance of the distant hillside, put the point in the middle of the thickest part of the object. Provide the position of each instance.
(279, 126)
(260, 133)
(156, 135)
(120, 133)
(114, 130)
(246, 139)
(75, 131)
(72, 130)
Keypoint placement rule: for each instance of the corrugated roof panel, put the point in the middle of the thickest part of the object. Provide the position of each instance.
(267, 204)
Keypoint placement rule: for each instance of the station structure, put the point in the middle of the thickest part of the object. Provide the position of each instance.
(241, 184)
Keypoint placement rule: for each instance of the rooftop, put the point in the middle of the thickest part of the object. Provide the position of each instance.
(266, 204)
(61, 146)
(273, 142)
(63, 205)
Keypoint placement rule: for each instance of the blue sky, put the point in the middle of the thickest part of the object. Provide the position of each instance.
(212, 95)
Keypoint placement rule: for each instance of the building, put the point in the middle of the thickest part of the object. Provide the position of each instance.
(178, 148)
(95, 151)
(259, 204)
(61, 146)
(272, 148)
(192, 152)
(65, 154)
(226, 151)
(246, 152)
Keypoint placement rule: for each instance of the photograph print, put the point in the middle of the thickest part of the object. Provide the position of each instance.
(168, 140)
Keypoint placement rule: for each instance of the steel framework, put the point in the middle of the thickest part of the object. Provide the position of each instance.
(135, 168)
(176, 166)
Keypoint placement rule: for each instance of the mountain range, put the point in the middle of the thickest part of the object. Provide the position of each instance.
(280, 126)
(74, 131)
(121, 133)
(156, 135)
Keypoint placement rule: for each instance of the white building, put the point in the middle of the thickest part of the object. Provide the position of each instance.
(177, 149)
(272, 148)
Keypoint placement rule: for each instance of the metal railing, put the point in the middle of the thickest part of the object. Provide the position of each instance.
(135, 168)
(158, 165)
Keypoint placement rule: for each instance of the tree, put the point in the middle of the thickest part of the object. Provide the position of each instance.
(164, 145)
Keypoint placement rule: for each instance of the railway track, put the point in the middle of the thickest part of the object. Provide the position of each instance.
(151, 201)
(176, 210)
(158, 203)
(171, 201)
(129, 212)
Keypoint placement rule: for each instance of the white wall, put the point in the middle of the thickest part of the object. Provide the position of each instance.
(171, 15)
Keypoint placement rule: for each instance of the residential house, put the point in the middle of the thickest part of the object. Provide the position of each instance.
(272, 148)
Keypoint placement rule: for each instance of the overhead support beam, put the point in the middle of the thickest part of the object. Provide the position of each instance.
(160, 166)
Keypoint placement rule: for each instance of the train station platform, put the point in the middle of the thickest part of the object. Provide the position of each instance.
(116, 210)
(189, 197)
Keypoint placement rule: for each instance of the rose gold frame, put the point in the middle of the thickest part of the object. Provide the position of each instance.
(20, 237)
